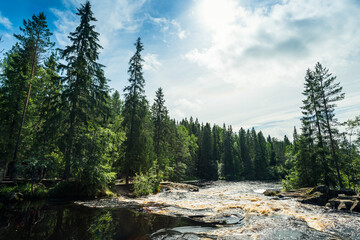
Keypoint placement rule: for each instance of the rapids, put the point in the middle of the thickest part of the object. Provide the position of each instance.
(239, 210)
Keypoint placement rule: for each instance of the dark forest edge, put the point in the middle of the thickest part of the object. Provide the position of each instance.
(60, 120)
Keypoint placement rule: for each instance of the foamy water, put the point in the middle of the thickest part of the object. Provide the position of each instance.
(248, 214)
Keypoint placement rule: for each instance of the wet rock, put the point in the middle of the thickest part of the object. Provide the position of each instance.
(167, 186)
(271, 193)
(343, 203)
(316, 198)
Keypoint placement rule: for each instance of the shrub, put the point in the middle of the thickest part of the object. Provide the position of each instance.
(147, 183)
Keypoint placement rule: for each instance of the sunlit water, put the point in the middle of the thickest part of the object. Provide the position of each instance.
(222, 210)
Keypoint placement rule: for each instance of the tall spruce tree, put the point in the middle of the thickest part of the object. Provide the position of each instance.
(135, 112)
(85, 86)
(160, 120)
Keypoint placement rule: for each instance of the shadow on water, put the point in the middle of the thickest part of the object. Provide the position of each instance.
(47, 220)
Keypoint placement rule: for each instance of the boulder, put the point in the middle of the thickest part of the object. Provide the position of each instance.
(317, 198)
(271, 193)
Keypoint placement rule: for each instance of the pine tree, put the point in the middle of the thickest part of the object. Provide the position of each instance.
(34, 42)
(311, 121)
(329, 93)
(85, 86)
(12, 89)
(135, 113)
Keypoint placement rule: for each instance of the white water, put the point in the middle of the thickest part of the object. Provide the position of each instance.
(241, 211)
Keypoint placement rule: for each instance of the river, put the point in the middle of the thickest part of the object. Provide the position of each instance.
(219, 210)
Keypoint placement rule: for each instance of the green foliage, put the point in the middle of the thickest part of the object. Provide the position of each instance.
(138, 144)
(76, 189)
(28, 191)
(147, 183)
(85, 86)
(315, 153)
(92, 166)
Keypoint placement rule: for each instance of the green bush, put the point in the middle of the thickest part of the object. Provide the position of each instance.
(29, 191)
(147, 183)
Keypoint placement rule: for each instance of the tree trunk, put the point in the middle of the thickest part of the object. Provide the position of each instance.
(332, 144)
(27, 101)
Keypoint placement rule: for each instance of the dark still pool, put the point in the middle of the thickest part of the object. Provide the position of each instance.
(49, 220)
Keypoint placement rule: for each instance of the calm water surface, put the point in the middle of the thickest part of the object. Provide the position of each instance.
(49, 220)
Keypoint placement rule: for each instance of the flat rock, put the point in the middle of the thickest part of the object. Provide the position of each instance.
(166, 186)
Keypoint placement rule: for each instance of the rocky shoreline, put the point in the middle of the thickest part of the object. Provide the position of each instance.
(343, 199)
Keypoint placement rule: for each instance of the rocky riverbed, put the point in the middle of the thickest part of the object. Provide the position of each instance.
(240, 210)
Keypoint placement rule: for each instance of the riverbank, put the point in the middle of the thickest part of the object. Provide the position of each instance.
(70, 190)
(343, 199)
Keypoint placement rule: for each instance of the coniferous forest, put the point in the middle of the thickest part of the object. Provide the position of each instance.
(61, 120)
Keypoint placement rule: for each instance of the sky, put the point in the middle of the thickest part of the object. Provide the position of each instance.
(239, 62)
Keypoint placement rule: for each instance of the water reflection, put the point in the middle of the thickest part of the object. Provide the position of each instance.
(44, 220)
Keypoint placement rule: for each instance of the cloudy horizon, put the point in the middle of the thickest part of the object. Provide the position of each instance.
(238, 62)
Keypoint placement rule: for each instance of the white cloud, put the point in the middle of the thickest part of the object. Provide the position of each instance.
(169, 25)
(151, 62)
(67, 22)
(248, 45)
(184, 103)
(263, 53)
(112, 15)
(5, 21)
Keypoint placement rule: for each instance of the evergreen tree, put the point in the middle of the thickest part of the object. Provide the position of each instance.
(311, 121)
(160, 121)
(135, 113)
(244, 151)
(270, 152)
(228, 154)
(238, 162)
(85, 86)
(34, 41)
(115, 106)
(12, 89)
(329, 93)
(260, 163)
(207, 162)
